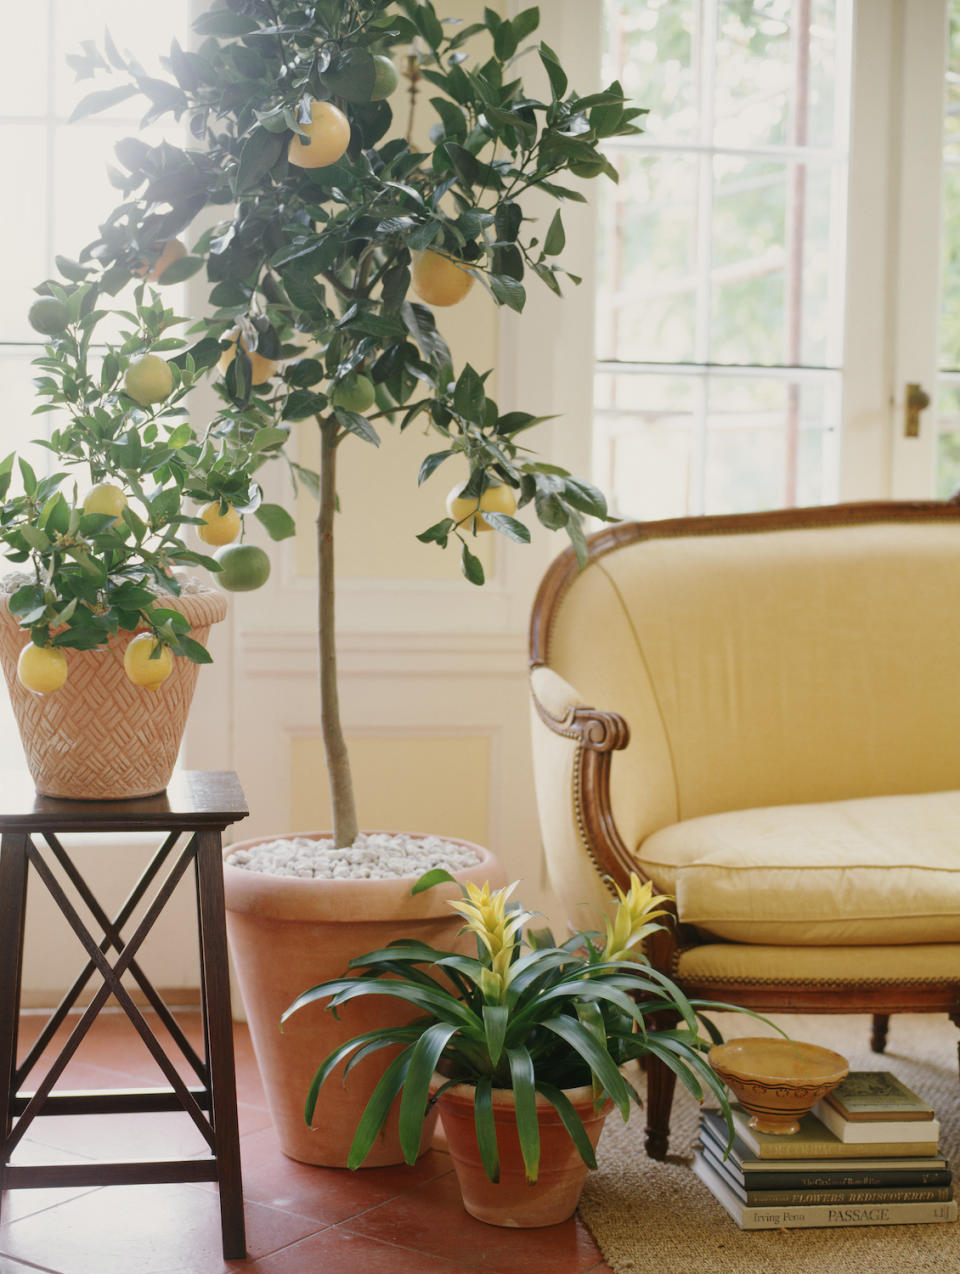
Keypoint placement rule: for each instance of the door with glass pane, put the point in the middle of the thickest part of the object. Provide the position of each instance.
(760, 277)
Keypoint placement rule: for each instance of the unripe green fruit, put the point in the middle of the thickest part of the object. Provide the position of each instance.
(243, 567)
(354, 393)
(386, 78)
(48, 316)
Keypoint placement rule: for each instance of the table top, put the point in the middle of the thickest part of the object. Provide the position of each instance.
(194, 800)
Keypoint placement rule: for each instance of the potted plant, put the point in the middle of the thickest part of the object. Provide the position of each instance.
(100, 554)
(337, 238)
(520, 1047)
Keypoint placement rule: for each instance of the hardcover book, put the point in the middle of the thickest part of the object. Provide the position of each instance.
(785, 1173)
(877, 1095)
(814, 1141)
(841, 1195)
(801, 1216)
(869, 1131)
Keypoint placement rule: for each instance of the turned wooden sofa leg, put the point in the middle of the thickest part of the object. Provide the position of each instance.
(878, 1036)
(661, 1082)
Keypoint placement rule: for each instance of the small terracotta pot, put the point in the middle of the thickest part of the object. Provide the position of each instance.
(511, 1201)
(100, 737)
(289, 934)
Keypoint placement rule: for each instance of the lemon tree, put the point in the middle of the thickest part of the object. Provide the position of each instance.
(329, 248)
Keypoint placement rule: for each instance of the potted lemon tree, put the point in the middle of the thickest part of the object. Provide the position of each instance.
(336, 244)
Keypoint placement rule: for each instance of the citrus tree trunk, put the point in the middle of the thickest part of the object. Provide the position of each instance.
(338, 761)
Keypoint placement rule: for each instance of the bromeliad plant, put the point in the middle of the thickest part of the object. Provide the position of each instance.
(526, 1014)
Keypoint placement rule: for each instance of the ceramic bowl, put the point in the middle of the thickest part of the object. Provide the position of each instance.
(778, 1081)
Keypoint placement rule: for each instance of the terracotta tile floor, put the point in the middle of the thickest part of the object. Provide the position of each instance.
(300, 1220)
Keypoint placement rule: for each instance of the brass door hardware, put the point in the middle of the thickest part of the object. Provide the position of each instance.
(917, 400)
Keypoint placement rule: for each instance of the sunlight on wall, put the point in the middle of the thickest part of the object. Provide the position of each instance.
(427, 783)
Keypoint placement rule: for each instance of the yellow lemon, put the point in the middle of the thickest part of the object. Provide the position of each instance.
(499, 499)
(329, 137)
(439, 279)
(140, 668)
(261, 369)
(105, 498)
(42, 669)
(219, 528)
(171, 251)
(148, 379)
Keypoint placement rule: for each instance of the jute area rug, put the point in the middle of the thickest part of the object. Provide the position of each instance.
(658, 1218)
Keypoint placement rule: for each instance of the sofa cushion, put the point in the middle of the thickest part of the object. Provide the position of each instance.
(882, 870)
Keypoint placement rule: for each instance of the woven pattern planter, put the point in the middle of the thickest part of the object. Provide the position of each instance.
(100, 737)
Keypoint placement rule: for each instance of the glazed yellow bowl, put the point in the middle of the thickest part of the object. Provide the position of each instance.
(778, 1081)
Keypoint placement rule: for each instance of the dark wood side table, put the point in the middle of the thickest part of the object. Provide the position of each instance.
(190, 816)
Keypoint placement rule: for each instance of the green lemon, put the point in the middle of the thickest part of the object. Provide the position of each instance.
(48, 316)
(354, 393)
(243, 567)
(148, 379)
(386, 77)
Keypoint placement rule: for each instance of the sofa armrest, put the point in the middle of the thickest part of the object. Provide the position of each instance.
(584, 789)
(573, 747)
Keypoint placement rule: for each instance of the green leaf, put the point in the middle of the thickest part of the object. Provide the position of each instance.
(523, 1081)
(471, 566)
(196, 653)
(453, 118)
(416, 1089)
(508, 526)
(486, 1127)
(508, 292)
(431, 463)
(280, 525)
(438, 533)
(496, 1019)
(507, 220)
(526, 22)
(469, 396)
(352, 77)
(555, 72)
(465, 164)
(223, 22)
(571, 1121)
(261, 150)
(357, 424)
(101, 101)
(438, 876)
(597, 1058)
(268, 438)
(588, 499)
(505, 41)
(377, 1109)
(556, 239)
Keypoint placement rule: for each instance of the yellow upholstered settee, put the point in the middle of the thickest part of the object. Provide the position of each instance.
(761, 714)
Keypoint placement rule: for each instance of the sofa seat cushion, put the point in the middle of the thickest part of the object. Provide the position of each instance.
(883, 870)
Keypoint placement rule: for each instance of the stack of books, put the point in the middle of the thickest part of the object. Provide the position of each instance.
(866, 1155)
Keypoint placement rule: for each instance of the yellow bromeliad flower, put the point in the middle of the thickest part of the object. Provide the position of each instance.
(487, 917)
(636, 911)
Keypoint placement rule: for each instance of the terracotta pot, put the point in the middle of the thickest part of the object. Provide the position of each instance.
(511, 1201)
(100, 737)
(287, 935)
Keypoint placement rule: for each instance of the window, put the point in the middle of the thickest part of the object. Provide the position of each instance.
(721, 273)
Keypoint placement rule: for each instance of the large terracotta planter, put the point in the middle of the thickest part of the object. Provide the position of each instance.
(100, 737)
(511, 1201)
(287, 935)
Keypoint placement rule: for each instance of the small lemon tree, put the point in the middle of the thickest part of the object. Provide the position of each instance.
(336, 241)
